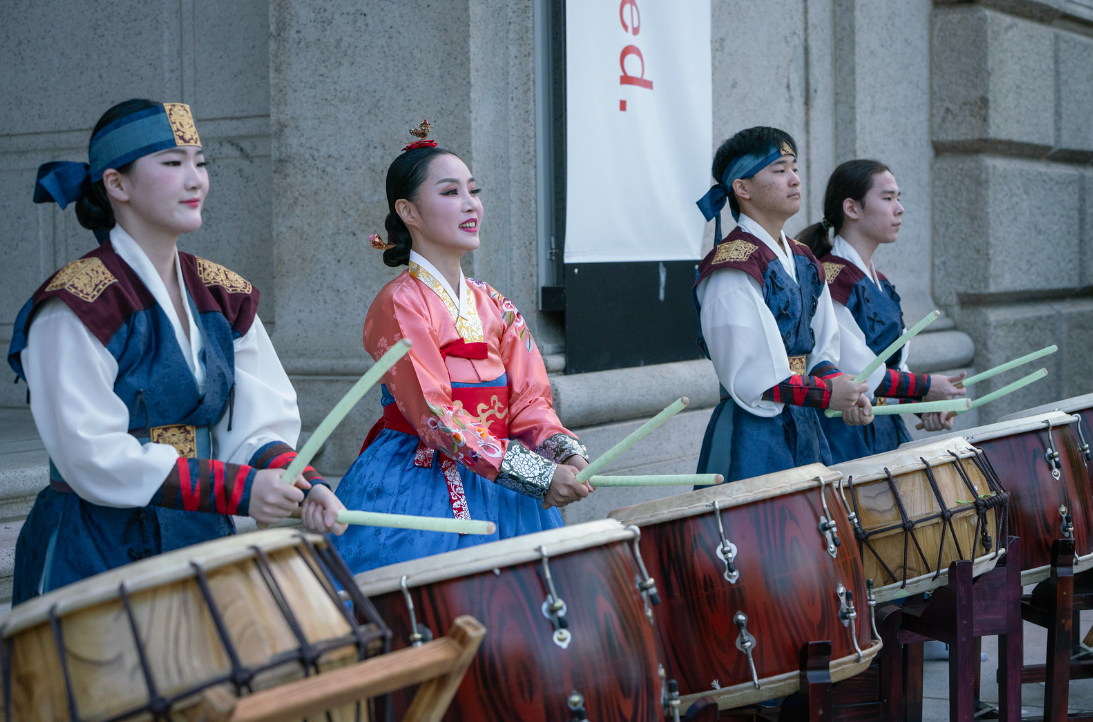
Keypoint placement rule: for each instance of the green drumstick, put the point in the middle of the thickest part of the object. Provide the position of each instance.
(647, 428)
(658, 480)
(1009, 389)
(896, 346)
(1007, 366)
(923, 407)
(422, 523)
(366, 382)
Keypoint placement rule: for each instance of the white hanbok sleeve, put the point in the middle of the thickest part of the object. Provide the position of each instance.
(264, 409)
(855, 353)
(825, 329)
(83, 423)
(743, 340)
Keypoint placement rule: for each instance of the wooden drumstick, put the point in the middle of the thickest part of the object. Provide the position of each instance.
(658, 480)
(407, 521)
(343, 407)
(647, 428)
(995, 395)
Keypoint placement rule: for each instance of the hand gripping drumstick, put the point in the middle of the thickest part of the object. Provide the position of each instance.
(647, 428)
(888, 352)
(995, 395)
(335, 417)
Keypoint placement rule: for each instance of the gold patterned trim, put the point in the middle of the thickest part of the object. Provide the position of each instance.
(738, 250)
(85, 279)
(213, 274)
(469, 327)
(832, 271)
(180, 436)
(880, 401)
(785, 149)
(797, 365)
(182, 124)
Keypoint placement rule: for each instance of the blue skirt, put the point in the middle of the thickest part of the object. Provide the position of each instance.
(384, 479)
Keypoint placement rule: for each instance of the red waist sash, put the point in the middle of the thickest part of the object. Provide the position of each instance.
(489, 405)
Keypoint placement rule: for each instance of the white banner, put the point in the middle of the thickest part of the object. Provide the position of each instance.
(638, 129)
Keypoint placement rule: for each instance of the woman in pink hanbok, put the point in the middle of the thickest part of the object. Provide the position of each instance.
(468, 430)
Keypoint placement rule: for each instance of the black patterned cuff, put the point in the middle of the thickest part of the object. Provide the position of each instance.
(525, 472)
(560, 447)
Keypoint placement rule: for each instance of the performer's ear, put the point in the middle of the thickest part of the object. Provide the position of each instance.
(851, 209)
(740, 189)
(406, 211)
(115, 185)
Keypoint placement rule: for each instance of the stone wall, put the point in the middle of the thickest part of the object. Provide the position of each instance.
(1012, 125)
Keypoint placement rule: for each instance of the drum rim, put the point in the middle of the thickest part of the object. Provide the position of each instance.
(1072, 405)
(908, 458)
(148, 573)
(730, 495)
(491, 555)
(999, 429)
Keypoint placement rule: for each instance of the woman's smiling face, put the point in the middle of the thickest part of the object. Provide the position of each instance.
(446, 211)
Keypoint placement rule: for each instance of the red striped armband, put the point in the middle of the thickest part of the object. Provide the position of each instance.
(207, 485)
(903, 385)
(278, 455)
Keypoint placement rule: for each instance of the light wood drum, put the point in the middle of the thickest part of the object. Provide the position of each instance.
(567, 620)
(1040, 462)
(748, 572)
(919, 508)
(143, 641)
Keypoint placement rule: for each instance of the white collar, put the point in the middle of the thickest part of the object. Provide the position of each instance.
(131, 252)
(749, 225)
(842, 248)
(460, 299)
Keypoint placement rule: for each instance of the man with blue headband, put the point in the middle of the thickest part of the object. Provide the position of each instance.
(766, 319)
(153, 384)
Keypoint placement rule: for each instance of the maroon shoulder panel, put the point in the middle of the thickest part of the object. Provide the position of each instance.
(801, 249)
(215, 288)
(100, 288)
(741, 251)
(842, 276)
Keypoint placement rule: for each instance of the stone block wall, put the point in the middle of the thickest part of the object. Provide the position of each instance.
(1012, 126)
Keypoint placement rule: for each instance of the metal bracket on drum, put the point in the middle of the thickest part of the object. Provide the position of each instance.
(827, 524)
(646, 585)
(671, 708)
(554, 607)
(1052, 455)
(575, 702)
(1085, 445)
(726, 550)
(419, 634)
(871, 600)
(848, 616)
(746, 643)
(1066, 526)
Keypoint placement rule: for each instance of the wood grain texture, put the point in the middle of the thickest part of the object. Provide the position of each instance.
(880, 516)
(1035, 495)
(178, 634)
(787, 589)
(519, 673)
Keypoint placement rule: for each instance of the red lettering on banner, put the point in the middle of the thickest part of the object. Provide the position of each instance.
(635, 16)
(626, 78)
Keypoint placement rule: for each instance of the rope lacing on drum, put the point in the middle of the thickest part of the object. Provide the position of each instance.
(998, 500)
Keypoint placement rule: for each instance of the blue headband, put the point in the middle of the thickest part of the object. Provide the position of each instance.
(744, 166)
(136, 135)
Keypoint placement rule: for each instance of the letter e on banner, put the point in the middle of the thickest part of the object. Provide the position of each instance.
(635, 16)
(626, 78)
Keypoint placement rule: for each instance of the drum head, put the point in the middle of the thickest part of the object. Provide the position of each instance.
(1070, 406)
(1017, 425)
(735, 493)
(905, 459)
(494, 555)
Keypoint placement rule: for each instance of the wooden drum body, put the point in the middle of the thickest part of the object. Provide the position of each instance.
(782, 583)
(918, 509)
(246, 612)
(1080, 406)
(1040, 464)
(596, 642)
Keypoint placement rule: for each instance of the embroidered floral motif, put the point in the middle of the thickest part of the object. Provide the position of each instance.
(452, 434)
(560, 447)
(85, 279)
(469, 328)
(423, 456)
(213, 274)
(455, 489)
(738, 250)
(832, 271)
(180, 436)
(525, 472)
(509, 315)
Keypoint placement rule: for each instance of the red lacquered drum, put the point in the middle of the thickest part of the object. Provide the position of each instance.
(1080, 406)
(1040, 464)
(900, 500)
(748, 572)
(566, 621)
